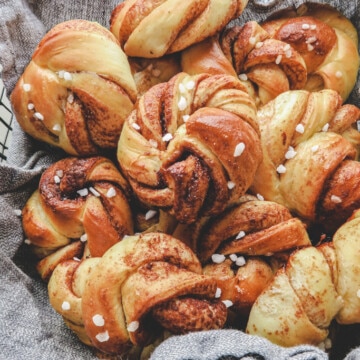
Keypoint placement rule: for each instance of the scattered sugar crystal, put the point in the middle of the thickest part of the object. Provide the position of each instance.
(57, 179)
(70, 98)
(39, 116)
(243, 77)
(310, 47)
(31, 106)
(260, 197)
(65, 305)
(59, 173)
(111, 193)
(182, 104)
(135, 126)
(335, 199)
(98, 320)
(290, 153)
(150, 214)
(217, 293)
(218, 258)
(190, 84)
(27, 87)
(240, 261)
(185, 118)
(325, 128)
(182, 88)
(239, 149)
(311, 39)
(281, 169)
(67, 76)
(83, 238)
(228, 303)
(133, 326)
(167, 137)
(102, 337)
(240, 235)
(305, 26)
(278, 59)
(315, 148)
(230, 185)
(57, 127)
(27, 242)
(233, 257)
(94, 191)
(300, 128)
(83, 192)
(287, 47)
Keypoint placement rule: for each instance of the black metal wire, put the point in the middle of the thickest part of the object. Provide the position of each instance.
(6, 119)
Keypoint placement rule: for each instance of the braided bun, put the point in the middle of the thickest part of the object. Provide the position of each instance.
(77, 89)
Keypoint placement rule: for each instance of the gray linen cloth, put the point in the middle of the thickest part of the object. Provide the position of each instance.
(29, 327)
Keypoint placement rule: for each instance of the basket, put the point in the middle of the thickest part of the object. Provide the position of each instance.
(6, 120)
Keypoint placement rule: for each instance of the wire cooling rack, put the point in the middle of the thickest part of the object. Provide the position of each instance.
(6, 120)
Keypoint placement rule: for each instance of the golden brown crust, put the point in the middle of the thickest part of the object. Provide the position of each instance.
(141, 273)
(82, 199)
(206, 57)
(243, 285)
(341, 195)
(68, 96)
(302, 151)
(317, 286)
(205, 117)
(300, 302)
(253, 227)
(295, 50)
(169, 26)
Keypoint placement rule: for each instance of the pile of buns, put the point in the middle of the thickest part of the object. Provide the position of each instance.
(210, 175)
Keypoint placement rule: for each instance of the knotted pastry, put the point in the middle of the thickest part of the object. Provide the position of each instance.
(191, 146)
(78, 201)
(317, 285)
(77, 89)
(251, 227)
(310, 144)
(151, 29)
(127, 297)
(315, 48)
(236, 246)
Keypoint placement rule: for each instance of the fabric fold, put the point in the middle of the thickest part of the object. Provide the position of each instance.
(29, 327)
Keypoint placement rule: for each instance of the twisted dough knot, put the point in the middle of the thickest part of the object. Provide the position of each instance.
(77, 90)
(317, 285)
(85, 200)
(128, 295)
(306, 139)
(169, 26)
(233, 244)
(191, 146)
(308, 50)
